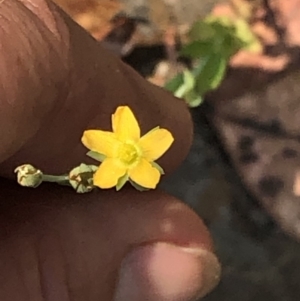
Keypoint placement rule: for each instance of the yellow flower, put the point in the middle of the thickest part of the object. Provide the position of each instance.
(127, 155)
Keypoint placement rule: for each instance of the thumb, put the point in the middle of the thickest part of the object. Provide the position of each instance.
(70, 84)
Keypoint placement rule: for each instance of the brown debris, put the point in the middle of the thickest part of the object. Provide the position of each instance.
(287, 13)
(93, 15)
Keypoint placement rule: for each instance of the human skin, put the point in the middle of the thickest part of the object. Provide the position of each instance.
(56, 82)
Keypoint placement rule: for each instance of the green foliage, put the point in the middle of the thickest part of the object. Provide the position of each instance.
(96, 156)
(213, 41)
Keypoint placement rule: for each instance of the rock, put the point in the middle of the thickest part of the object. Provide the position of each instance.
(261, 132)
(161, 14)
(258, 261)
(185, 12)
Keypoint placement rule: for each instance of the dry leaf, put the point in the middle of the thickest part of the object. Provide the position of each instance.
(93, 15)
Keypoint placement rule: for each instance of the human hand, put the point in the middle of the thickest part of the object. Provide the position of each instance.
(56, 82)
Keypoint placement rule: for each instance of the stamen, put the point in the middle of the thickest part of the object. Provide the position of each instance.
(128, 153)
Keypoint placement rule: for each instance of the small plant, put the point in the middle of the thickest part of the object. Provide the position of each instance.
(212, 42)
(123, 155)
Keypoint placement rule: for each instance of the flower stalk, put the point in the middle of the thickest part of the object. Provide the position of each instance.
(55, 179)
(79, 178)
(124, 155)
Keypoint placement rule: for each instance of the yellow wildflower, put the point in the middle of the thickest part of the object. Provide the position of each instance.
(126, 155)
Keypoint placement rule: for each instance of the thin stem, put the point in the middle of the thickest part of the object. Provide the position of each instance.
(55, 179)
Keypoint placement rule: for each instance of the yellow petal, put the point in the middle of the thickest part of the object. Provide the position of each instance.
(125, 125)
(155, 143)
(102, 142)
(144, 174)
(108, 173)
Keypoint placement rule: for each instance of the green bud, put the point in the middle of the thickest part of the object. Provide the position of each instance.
(81, 178)
(29, 176)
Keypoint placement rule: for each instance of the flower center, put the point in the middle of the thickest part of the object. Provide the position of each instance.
(128, 153)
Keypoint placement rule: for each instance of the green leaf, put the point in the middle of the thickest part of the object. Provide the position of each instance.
(187, 85)
(96, 156)
(187, 89)
(87, 168)
(230, 46)
(122, 181)
(222, 25)
(193, 99)
(137, 186)
(244, 33)
(202, 31)
(223, 21)
(174, 83)
(181, 91)
(158, 167)
(211, 74)
(197, 49)
(188, 79)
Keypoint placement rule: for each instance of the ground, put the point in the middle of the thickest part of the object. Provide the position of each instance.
(259, 261)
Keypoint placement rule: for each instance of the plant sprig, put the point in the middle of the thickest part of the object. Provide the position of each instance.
(212, 42)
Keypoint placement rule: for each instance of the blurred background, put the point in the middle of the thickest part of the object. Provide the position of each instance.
(236, 64)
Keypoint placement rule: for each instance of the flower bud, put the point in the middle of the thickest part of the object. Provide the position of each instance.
(81, 178)
(29, 176)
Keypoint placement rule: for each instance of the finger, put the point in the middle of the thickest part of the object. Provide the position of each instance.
(71, 84)
(32, 64)
(103, 246)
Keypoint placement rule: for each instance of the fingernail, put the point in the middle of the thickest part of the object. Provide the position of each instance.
(165, 272)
